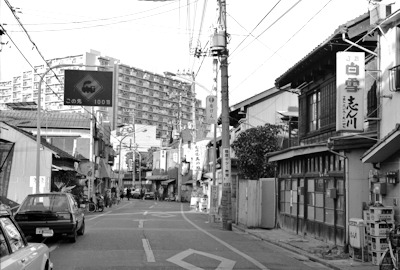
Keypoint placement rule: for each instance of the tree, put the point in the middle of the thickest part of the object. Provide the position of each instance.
(250, 148)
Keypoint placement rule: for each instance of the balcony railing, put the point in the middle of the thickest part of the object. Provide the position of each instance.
(394, 78)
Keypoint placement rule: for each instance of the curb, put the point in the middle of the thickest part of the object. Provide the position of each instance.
(290, 248)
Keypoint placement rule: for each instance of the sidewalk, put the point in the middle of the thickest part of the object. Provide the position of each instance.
(315, 250)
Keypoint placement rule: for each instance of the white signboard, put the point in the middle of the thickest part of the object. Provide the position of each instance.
(226, 166)
(42, 184)
(350, 84)
(200, 151)
(211, 110)
(163, 160)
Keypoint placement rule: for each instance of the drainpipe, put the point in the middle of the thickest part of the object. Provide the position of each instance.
(356, 45)
(346, 171)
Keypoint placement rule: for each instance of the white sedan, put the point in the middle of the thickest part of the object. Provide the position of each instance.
(15, 252)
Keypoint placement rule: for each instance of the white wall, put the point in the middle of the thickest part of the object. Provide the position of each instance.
(24, 164)
(390, 113)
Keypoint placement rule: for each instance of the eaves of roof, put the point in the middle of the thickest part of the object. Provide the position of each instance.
(58, 151)
(256, 98)
(49, 120)
(320, 47)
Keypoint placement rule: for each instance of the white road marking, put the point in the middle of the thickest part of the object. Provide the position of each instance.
(145, 213)
(247, 257)
(140, 223)
(148, 251)
(178, 259)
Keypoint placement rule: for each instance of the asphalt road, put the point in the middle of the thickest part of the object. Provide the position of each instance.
(140, 234)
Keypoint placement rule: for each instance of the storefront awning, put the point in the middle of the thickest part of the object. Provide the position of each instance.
(167, 181)
(190, 182)
(61, 168)
(157, 177)
(389, 145)
(296, 151)
(105, 169)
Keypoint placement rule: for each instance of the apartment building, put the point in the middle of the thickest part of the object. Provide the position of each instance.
(140, 96)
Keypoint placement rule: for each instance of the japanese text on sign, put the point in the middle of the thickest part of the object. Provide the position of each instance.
(350, 83)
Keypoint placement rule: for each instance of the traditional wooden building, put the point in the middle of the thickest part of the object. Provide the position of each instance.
(322, 182)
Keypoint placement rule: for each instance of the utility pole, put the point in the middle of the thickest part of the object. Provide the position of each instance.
(180, 147)
(226, 202)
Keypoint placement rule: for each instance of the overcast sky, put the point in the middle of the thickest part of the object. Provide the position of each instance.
(156, 36)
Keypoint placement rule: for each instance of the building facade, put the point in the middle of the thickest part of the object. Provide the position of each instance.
(140, 96)
(384, 156)
(322, 182)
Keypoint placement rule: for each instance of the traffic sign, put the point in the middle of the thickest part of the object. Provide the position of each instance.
(88, 88)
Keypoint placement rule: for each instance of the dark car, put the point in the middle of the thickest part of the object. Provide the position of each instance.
(149, 195)
(15, 252)
(136, 194)
(57, 213)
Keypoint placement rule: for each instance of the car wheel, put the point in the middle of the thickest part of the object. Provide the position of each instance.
(72, 237)
(81, 230)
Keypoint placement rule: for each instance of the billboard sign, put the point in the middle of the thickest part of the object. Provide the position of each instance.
(350, 88)
(88, 88)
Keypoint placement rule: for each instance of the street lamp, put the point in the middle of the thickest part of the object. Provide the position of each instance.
(120, 147)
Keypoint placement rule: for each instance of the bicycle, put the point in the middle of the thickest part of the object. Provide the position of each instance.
(90, 207)
(390, 258)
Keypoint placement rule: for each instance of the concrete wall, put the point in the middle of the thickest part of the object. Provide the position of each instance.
(24, 165)
(266, 111)
(358, 183)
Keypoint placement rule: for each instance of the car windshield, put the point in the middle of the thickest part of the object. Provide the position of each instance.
(46, 202)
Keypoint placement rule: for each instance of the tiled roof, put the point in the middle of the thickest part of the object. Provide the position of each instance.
(60, 153)
(50, 119)
(338, 31)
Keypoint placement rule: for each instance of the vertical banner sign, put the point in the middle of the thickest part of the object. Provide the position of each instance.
(163, 160)
(226, 166)
(211, 110)
(200, 152)
(214, 200)
(350, 84)
(88, 88)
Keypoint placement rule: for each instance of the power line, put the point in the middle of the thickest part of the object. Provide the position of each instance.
(251, 33)
(105, 24)
(101, 19)
(301, 28)
(280, 17)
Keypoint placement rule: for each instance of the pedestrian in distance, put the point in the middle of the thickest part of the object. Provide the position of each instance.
(121, 194)
(128, 193)
(143, 192)
(161, 193)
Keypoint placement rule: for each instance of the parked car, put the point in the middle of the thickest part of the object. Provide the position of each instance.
(149, 195)
(15, 252)
(56, 213)
(136, 194)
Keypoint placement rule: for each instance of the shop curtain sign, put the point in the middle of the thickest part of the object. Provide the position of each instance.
(350, 87)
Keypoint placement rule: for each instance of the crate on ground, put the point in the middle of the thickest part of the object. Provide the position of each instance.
(378, 214)
(379, 243)
(380, 229)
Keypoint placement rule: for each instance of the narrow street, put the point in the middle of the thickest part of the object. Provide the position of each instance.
(140, 234)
